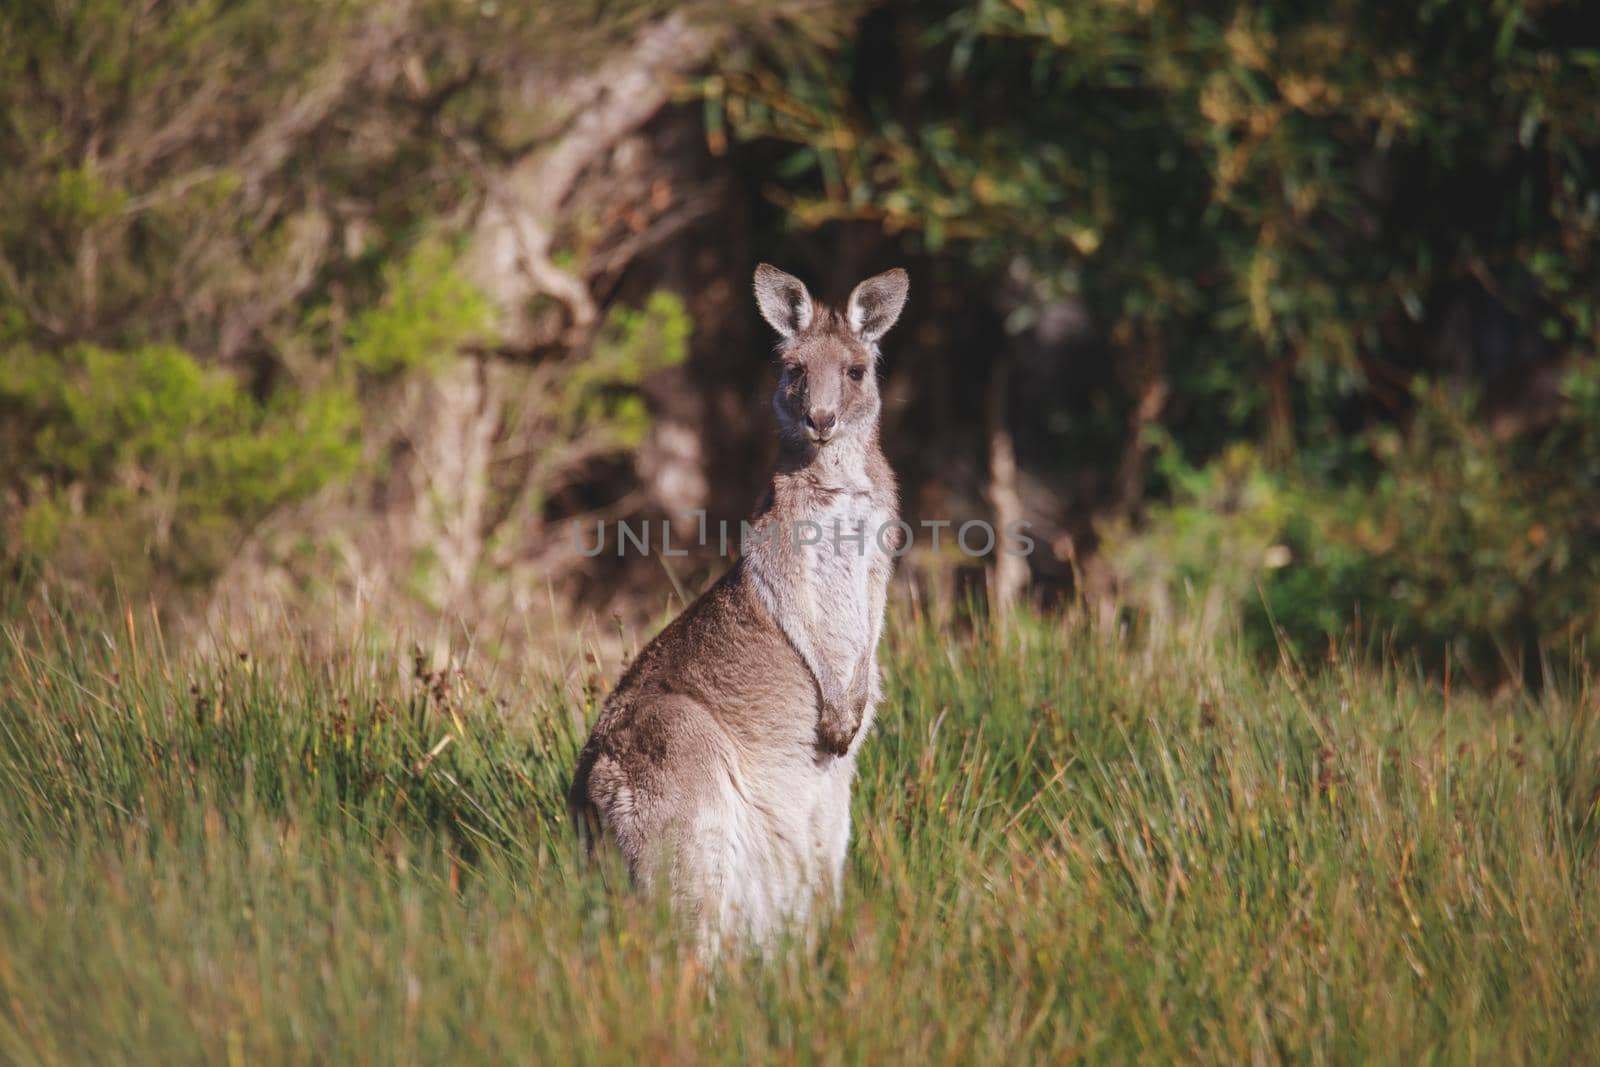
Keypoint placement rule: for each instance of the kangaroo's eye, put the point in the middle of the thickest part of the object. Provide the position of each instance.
(794, 370)
(857, 373)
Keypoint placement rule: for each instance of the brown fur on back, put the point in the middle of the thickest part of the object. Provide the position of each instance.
(725, 654)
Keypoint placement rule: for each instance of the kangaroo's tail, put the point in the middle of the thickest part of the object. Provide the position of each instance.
(581, 808)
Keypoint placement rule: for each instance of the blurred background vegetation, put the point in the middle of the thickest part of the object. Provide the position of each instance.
(1266, 316)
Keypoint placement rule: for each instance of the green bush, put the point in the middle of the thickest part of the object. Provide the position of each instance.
(1459, 548)
(126, 460)
(1464, 548)
(148, 462)
(427, 312)
(1203, 554)
(601, 389)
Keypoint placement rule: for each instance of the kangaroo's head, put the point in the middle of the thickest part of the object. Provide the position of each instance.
(828, 394)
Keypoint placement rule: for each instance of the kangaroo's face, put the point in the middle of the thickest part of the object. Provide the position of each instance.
(829, 388)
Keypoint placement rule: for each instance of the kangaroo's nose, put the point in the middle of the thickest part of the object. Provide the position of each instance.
(822, 422)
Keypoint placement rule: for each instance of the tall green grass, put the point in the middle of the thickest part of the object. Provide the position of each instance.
(1065, 849)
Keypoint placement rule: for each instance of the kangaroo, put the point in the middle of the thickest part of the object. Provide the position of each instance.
(723, 760)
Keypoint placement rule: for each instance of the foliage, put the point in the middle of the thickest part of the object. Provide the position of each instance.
(1064, 850)
(1277, 218)
(231, 229)
(427, 313)
(236, 234)
(1461, 548)
(1200, 557)
(124, 459)
(601, 390)
(1250, 189)
(147, 462)
(200, 172)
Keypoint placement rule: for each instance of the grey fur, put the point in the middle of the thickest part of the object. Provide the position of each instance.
(723, 760)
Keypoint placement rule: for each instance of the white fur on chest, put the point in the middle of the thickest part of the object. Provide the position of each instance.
(842, 576)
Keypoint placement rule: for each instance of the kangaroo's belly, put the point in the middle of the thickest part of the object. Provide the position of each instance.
(778, 844)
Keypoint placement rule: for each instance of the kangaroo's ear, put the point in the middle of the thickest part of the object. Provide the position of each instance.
(783, 300)
(875, 304)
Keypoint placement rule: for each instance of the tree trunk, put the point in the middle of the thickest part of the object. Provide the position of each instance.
(1008, 574)
(1146, 376)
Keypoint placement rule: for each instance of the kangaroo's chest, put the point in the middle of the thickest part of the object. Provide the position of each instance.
(844, 563)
